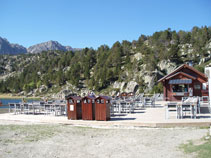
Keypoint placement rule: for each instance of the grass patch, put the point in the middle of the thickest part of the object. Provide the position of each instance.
(203, 150)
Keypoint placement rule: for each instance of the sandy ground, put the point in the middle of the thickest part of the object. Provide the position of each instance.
(61, 141)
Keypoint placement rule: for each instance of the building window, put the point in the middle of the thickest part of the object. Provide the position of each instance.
(197, 86)
(204, 86)
(180, 88)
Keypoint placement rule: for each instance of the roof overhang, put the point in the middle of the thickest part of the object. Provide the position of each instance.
(180, 68)
(181, 73)
(180, 81)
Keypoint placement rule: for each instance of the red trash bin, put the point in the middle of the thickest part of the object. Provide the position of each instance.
(74, 111)
(102, 108)
(88, 108)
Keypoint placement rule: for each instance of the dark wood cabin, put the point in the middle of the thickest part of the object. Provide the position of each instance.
(88, 108)
(74, 110)
(102, 108)
(183, 82)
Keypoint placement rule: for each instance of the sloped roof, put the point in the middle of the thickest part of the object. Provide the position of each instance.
(181, 67)
(184, 74)
(73, 97)
(103, 97)
(89, 97)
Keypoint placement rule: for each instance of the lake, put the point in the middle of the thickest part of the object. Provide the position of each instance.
(6, 101)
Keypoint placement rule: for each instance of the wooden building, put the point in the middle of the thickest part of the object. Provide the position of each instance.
(102, 108)
(74, 110)
(183, 82)
(88, 108)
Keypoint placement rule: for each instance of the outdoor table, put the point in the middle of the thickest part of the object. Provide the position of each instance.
(172, 106)
(189, 104)
(126, 106)
(60, 108)
(121, 106)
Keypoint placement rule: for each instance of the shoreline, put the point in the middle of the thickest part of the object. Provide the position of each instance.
(11, 96)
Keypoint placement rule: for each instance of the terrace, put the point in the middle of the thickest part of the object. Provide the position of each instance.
(133, 111)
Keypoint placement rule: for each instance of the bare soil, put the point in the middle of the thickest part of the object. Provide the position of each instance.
(18, 140)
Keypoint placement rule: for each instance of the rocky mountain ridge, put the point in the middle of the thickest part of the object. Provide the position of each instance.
(49, 45)
(8, 48)
(12, 49)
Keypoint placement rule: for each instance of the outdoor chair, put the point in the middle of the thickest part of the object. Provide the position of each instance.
(25, 108)
(138, 102)
(129, 106)
(123, 107)
(41, 107)
(11, 107)
(185, 109)
(198, 105)
(184, 98)
(36, 107)
(18, 108)
(64, 109)
(57, 110)
(149, 101)
(115, 106)
(205, 103)
(48, 109)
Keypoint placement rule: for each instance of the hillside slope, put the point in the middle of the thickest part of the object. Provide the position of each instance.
(127, 66)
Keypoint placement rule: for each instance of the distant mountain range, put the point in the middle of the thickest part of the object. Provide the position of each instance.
(8, 48)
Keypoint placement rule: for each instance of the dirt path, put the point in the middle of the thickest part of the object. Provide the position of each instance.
(58, 141)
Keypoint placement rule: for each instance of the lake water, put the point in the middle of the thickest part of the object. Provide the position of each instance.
(6, 101)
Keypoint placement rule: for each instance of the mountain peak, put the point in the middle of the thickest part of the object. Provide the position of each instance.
(49, 45)
(9, 48)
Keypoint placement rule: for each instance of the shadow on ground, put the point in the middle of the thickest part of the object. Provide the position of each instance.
(121, 119)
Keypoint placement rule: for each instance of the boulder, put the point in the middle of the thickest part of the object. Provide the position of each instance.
(131, 86)
(43, 88)
(138, 56)
(167, 66)
(149, 81)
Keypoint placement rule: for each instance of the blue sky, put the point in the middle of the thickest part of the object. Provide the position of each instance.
(91, 23)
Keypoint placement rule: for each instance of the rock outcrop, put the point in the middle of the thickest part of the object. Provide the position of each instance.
(8, 48)
(131, 86)
(166, 65)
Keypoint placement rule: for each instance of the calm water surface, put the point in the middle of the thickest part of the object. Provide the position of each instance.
(6, 101)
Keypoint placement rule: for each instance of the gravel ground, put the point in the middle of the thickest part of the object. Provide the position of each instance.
(58, 141)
